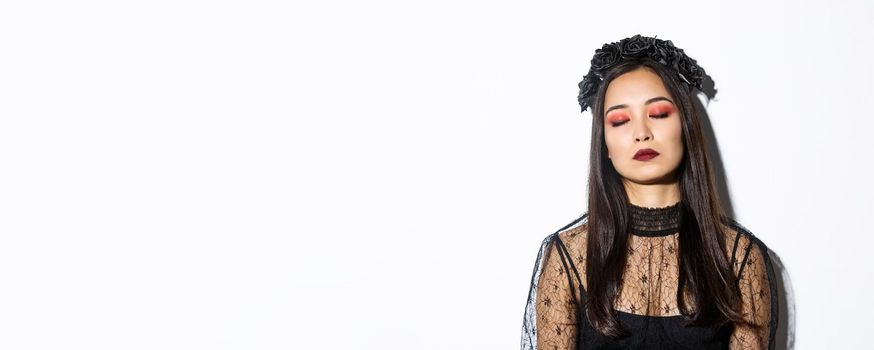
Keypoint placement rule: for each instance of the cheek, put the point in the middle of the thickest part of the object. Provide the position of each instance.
(613, 143)
(616, 136)
(678, 131)
(676, 137)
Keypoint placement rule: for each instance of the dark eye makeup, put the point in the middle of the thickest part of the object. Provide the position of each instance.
(657, 116)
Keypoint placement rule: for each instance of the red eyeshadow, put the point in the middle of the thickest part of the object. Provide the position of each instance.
(661, 109)
(617, 118)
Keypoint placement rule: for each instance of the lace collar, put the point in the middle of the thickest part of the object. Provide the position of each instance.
(653, 222)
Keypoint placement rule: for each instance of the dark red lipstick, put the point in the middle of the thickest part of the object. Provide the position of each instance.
(645, 154)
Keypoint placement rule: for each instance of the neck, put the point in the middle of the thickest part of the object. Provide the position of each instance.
(653, 195)
(655, 221)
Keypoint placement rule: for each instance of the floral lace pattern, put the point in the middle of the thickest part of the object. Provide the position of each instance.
(649, 284)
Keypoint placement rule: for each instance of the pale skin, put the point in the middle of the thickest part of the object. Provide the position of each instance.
(640, 113)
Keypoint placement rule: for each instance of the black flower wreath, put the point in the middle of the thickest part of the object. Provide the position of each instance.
(638, 47)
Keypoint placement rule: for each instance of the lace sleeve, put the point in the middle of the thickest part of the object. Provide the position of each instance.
(550, 312)
(758, 297)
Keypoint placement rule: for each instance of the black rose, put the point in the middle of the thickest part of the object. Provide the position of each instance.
(588, 87)
(636, 46)
(691, 71)
(605, 57)
(664, 52)
(666, 43)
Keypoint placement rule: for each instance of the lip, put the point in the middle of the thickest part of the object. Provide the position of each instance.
(646, 154)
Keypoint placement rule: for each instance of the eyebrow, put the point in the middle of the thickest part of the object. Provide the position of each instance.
(660, 98)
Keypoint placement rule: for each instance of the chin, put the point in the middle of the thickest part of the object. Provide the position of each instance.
(647, 178)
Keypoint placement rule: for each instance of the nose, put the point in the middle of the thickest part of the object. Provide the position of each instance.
(642, 132)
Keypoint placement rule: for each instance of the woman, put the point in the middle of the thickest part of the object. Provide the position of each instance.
(655, 263)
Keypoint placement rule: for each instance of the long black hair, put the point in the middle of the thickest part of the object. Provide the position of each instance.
(706, 277)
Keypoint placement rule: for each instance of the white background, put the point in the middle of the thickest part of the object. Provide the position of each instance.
(363, 175)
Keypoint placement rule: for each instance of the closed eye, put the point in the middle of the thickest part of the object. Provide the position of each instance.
(657, 116)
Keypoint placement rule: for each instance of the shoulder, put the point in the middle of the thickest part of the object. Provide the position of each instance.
(735, 232)
(573, 234)
(743, 247)
(570, 239)
(572, 231)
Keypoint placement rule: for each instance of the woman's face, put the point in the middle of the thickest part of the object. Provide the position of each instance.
(640, 114)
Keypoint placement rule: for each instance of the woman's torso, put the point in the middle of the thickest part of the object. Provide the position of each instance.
(646, 304)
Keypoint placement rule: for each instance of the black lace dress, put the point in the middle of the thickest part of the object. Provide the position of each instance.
(646, 304)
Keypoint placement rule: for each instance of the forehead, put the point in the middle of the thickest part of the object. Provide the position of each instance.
(634, 88)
